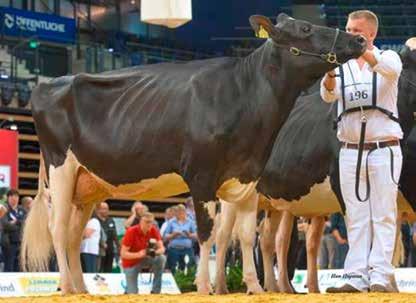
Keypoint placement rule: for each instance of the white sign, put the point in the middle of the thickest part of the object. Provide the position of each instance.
(5, 178)
(41, 284)
(405, 278)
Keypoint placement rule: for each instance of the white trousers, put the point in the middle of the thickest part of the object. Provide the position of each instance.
(371, 225)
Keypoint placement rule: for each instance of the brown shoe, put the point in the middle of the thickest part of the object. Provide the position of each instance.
(378, 288)
(346, 288)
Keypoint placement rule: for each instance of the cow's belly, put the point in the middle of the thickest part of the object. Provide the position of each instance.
(320, 201)
(90, 188)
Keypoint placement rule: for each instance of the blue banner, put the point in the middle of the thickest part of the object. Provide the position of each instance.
(49, 27)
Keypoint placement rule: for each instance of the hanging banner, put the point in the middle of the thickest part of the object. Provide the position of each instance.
(9, 149)
(21, 23)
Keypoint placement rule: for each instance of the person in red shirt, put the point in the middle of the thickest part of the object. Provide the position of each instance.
(136, 253)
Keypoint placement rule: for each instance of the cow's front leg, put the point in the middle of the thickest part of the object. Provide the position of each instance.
(202, 279)
(267, 239)
(223, 235)
(282, 247)
(313, 240)
(246, 226)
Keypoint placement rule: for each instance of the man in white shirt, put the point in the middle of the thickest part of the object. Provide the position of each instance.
(366, 90)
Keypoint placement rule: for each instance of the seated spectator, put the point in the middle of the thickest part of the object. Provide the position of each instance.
(12, 224)
(301, 257)
(137, 210)
(180, 233)
(90, 246)
(142, 247)
(339, 231)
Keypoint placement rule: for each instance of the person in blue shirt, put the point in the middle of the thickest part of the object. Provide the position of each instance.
(180, 234)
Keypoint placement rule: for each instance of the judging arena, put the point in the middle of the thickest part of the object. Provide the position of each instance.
(201, 151)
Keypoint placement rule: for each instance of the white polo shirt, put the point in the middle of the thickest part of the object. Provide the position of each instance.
(379, 126)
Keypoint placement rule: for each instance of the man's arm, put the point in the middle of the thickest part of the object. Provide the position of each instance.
(338, 237)
(128, 255)
(329, 87)
(388, 64)
(160, 248)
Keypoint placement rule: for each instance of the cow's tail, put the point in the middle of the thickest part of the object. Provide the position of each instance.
(36, 247)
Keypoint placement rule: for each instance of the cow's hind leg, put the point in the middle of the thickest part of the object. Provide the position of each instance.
(313, 240)
(79, 219)
(283, 237)
(267, 238)
(62, 182)
(246, 225)
(223, 235)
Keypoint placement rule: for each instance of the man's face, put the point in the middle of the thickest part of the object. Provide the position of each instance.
(145, 224)
(13, 200)
(361, 26)
(181, 214)
(169, 214)
(102, 210)
(139, 208)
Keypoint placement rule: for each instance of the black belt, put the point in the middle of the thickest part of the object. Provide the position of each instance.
(369, 146)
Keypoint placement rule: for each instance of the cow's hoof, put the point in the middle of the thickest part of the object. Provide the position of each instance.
(204, 290)
(221, 290)
(251, 290)
(285, 288)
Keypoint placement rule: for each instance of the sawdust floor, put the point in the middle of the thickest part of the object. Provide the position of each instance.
(234, 298)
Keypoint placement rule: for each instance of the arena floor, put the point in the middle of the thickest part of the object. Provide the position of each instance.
(235, 298)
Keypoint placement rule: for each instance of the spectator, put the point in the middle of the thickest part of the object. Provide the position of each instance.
(112, 246)
(327, 250)
(3, 212)
(339, 231)
(26, 203)
(301, 257)
(137, 210)
(169, 214)
(12, 228)
(180, 233)
(136, 254)
(90, 246)
(190, 210)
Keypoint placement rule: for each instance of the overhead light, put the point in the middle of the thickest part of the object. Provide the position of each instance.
(13, 127)
(4, 76)
(110, 50)
(133, 2)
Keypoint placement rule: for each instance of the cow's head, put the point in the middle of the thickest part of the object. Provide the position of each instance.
(407, 86)
(311, 49)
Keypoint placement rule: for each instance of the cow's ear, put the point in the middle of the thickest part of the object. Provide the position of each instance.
(263, 27)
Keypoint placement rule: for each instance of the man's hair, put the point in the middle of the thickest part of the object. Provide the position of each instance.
(12, 192)
(26, 199)
(181, 207)
(148, 215)
(366, 14)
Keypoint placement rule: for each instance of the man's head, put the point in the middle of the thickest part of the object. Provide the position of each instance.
(102, 210)
(13, 198)
(364, 23)
(146, 221)
(169, 214)
(181, 212)
(139, 208)
(27, 203)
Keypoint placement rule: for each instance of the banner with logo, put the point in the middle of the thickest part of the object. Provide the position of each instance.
(49, 27)
(41, 284)
(9, 148)
(405, 278)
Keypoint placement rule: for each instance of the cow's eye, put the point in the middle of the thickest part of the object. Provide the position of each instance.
(306, 28)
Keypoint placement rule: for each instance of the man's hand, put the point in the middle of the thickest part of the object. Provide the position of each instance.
(329, 81)
(369, 57)
(141, 254)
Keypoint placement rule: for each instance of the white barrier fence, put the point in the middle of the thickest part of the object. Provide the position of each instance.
(37, 284)
(405, 278)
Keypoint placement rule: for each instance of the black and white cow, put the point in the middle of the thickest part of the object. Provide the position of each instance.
(164, 129)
